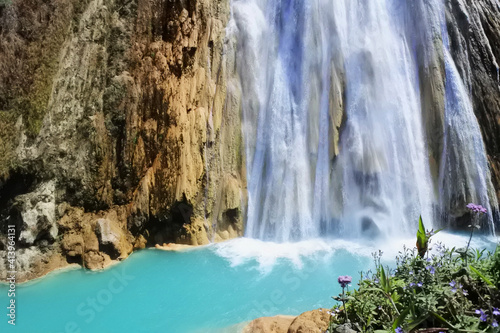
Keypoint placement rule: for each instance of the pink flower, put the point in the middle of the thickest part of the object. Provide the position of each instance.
(344, 280)
(476, 208)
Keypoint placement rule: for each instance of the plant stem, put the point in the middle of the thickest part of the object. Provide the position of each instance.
(393, 304)
(468, 244)
(343, 304)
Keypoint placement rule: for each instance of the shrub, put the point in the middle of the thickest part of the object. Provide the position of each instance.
(455, 290)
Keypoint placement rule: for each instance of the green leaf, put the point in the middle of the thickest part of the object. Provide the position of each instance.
(444, 321)
(413, 324)
(375, 289)
(401, 318)
(421, 228)
(395, 296)
(422, 239)
(435, 232)
(484, 278)
(383, 280)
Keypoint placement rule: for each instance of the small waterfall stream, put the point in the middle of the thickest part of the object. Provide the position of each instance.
(464, 169)
(333, 120)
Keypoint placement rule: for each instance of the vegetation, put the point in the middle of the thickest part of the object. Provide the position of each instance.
(432, 289)
(32, 34)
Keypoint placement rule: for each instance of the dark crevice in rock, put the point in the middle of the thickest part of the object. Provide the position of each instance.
(231, 215)
(76, 259)
(188, 54)
(169, 227)
(18, 183)
(78, 195)
(109, 249)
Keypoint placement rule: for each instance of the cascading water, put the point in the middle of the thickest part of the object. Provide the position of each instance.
(463, 156)
(332, 119)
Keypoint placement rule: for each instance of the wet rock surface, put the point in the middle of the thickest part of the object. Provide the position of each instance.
(474, 29)
(119, 133)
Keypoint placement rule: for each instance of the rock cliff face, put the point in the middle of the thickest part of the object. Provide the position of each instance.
(474, 29)
(120, 129)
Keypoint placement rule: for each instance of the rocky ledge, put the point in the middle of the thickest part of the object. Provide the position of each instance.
(308, 322)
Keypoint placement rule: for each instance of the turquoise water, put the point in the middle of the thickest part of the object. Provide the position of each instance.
(202, 290)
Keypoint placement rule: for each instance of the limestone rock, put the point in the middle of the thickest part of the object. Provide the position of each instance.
(109, 236)
(346, 328)
(72, 244)
(276, 324)
(311, 321)
(127, 110)
(308, 322)
(38, 214)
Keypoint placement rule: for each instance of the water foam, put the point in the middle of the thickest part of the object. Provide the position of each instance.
(264, 256)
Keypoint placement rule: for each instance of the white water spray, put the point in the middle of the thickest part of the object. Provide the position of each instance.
(332, 119)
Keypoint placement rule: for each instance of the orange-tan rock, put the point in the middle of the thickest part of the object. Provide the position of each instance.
(308, 322)
(122, 133)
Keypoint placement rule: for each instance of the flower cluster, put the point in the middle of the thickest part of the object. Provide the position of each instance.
(431, 269)
(484, 317)
(331, 313)
(344, 280)
(454, 287)
(458, 285)
(440, 249)
(496, 313)
(476, 208)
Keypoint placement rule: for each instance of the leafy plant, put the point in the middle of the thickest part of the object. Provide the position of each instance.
(430, 290)
(423, 238)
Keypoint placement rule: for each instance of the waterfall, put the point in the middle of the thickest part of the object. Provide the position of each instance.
(333, 119)
(465, 173)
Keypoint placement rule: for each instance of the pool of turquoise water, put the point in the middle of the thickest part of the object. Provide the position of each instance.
(207, 289)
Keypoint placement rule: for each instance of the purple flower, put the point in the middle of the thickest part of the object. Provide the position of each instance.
(411, 273)
(399, 330)
(344, 280)
(465, 292)
(431, 269)
(476, 208)
(412, 284)
(453, 290)
(496, 312)
(420, 284)
(452, 284)
(494, 323)
(483, 316)
(440, 249)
